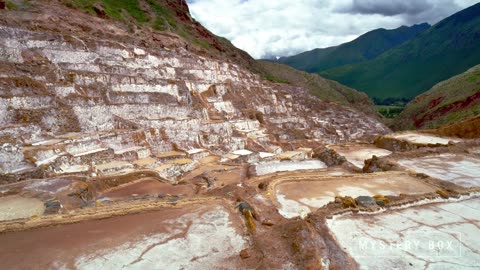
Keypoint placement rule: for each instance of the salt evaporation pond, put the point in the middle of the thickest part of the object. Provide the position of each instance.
(418, 138)
(171, 238)
(433, 236)
(302, 197)
(286, 166)
(458, 169)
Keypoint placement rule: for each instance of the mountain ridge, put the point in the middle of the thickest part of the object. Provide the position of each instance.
(363, 48)
(448, 48)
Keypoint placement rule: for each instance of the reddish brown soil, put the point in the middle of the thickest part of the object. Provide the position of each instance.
(450, 108)
(468, 129)
(435, 102)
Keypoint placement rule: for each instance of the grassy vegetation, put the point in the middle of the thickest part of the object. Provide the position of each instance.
(454, 117)
(448, 48)
(389, 111)
(11, 6)
(275, 79)
(202, 44)
(390, 107)
(113, 9)
(130, 12)
(474, 77)
(165, 19)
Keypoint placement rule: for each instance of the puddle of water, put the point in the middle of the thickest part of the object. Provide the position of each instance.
(167, 239)
(15, 207)
(295, 198)
(284, 166)
(357, 154)
(461, 170)
(441, 235)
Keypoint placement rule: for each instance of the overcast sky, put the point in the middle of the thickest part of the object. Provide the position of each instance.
(267, 28)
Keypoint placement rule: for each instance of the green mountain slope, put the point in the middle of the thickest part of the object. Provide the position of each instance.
(448, 48)
(365, 47)
(447, 102)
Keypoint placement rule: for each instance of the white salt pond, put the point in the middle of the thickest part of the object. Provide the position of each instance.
(202, 236)
(297, 198)
(419, 138)
(458, 169)
(433, 236)
(358, 153)
(284, 166)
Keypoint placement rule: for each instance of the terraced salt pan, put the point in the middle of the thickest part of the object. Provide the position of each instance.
(357, 154)
(419, 138)
(434, 236)
(16, 207)
(297, 198)
(458, 169)
(284, 166)
(145, 187)
(47, 142)
(65, 168)
(52, 186)
(203, 236)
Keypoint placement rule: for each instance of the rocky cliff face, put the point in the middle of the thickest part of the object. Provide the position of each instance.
(80, 94)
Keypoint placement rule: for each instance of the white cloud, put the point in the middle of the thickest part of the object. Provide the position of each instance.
(266, 28)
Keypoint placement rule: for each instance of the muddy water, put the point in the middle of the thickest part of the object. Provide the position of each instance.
(301, 197)
(433, 236)
(461, 170)
(284, 166)
(193, 237)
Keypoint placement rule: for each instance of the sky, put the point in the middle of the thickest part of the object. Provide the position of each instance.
(271, 28)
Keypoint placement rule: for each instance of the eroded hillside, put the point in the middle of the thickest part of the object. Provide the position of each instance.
(448, 102)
